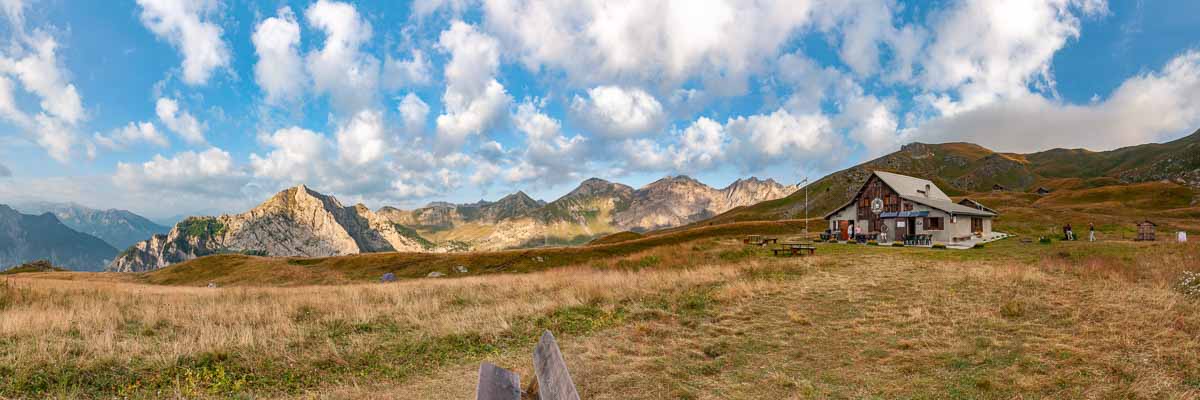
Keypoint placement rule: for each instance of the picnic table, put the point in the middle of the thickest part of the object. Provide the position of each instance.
(759, 240)
(795, 249)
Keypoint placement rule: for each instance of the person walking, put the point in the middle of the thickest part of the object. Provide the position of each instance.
(1070, 233)
(1066, 231)
(1091, 232)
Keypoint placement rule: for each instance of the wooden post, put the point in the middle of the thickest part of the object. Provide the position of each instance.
(497, 383)
(553, 379)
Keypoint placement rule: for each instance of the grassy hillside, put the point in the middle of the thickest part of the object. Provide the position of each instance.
(1165, 176)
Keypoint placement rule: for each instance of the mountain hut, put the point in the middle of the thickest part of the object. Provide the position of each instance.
(903, 206)
(1145, 231)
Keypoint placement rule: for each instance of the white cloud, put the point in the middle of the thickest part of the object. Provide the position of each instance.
(5, 172)
(362, 140)
(413, 112)
(340, 68)
(40, 73)
(185, 24)
(179, 121)
(130, 134)
(549, 155)
(279, 70)
(871, 123)
(209, 172)
(14, 10)
(1150, 107)
(761, 140)
(701, 145)
(985, 50)
(667, 42)
(298, 155)
(8, 104)
(618, 112)
(399, 73)
(474, 100)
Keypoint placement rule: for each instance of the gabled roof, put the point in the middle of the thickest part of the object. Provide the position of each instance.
(949, 206)
(919, 191)
(910, 186)
(976, 205)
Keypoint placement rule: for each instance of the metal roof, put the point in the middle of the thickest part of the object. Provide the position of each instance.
(920, 191)
(909, 186)
(948, 206)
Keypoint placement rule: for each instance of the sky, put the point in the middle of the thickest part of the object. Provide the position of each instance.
(170, 107)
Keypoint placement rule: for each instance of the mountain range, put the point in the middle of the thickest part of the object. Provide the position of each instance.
(118, 228)
(25, 237)
(303, 223)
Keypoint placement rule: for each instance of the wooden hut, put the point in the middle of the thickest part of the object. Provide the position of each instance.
(1145, 230)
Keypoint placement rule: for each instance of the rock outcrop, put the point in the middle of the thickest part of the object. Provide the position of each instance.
(295, 222)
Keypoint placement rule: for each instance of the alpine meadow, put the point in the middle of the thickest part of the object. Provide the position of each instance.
(578, 199)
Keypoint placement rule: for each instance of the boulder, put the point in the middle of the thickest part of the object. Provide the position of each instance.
(435, 274)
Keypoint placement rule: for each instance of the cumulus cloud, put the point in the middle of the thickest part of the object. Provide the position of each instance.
(362, 140)
(298, 155)
(208, 172)
(131, 134)
(279, 70)
(340, 68)
(473, 100)
(1153, 106)
(984, 50)
(41, 73)
(185, 25)
(618, 112)
(399, 73)
(752, 143)
(413, 112)
(668, 42)
(179, 121)
(550, 156)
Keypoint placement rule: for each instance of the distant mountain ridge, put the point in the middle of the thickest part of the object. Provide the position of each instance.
(118, 228)
(25, 238)
(294, 222)
(304, 223)
(960, 168)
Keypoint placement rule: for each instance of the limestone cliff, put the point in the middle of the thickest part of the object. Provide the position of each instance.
(294, 222)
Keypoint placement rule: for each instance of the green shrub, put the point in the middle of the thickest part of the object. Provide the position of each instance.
(939, 246)
(1045, 240)
(978, 246)
(897, 244)
(872, 243)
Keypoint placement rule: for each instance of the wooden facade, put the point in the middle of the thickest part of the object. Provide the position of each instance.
(1145, 231)
(876, 189)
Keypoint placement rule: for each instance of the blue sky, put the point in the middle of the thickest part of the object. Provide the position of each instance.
(177, 107)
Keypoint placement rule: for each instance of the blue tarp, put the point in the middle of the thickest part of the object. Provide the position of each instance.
(904, 214)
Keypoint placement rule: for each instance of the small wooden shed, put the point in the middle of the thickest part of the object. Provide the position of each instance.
(1145, 231)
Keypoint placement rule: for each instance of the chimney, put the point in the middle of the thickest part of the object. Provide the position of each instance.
(926, 190)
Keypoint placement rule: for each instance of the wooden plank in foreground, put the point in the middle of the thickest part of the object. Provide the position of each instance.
(553, 379)
(497, 383)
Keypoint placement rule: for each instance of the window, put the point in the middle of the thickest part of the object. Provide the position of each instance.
(934, 224)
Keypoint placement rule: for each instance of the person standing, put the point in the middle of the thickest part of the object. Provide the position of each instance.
(1070, 233)
(1091, 232)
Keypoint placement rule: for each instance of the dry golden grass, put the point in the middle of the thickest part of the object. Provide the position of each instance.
(707, 318)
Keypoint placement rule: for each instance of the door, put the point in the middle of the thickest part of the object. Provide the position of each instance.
(911, 226)
(844, 229)
(976, 224)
